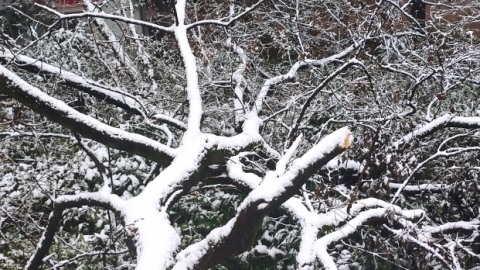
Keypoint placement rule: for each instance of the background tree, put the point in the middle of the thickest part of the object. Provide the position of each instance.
(240, 134)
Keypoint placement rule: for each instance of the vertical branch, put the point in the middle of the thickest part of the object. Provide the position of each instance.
(237, 77)
(193, 90)
(110, 36)
(240, 85)
(36, 260)
(140, 49)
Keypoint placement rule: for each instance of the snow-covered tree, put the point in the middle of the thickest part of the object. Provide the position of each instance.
(247, 134)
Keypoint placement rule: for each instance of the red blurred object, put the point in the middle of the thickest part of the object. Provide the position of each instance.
(66, 6)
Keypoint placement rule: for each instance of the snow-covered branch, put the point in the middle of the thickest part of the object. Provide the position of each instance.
(59, 112)
(233, 174)
(99, 199)
(323, 84)
(351, 226)
(115, 96)
(193, 89)
(36, 135)
(236, 236)
(452, 227)
(432, 187)
(240, 83)
(293, 72)
(447, 120)
(406, 236)
(440, 153)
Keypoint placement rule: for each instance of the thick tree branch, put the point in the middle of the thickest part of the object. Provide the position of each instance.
(189, 61)
(237, 235)
(59, 112)
(114, 96)
(447, 120)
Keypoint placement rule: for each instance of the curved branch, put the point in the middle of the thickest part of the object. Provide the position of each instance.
(317, 90)
(169, 121)
(80, 256)
(230, 22)
(114, 96)
(454, 227)
(444, 153)
(113, 203)
(293, 72)
(57, 111)
(447, 120)
(365, 217)
(408, 237)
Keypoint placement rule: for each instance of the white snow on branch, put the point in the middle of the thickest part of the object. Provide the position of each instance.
(406, 236)
(115, 93)
(440, 153)
(473, 225)
(157, 240)
(156, 232)
(466, 121)
(240, 83)
(423, 130)
(445, 120)
(422, 187)
(189, 61)
(93, 123)
(101, 196)
(282, 163)
(232, 18)
(321, 244)
(337, 163)
(313, 222)
(177, 123)
(272, 185)
(37, 135)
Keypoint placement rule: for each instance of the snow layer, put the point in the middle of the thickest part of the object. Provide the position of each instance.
(93, 123)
